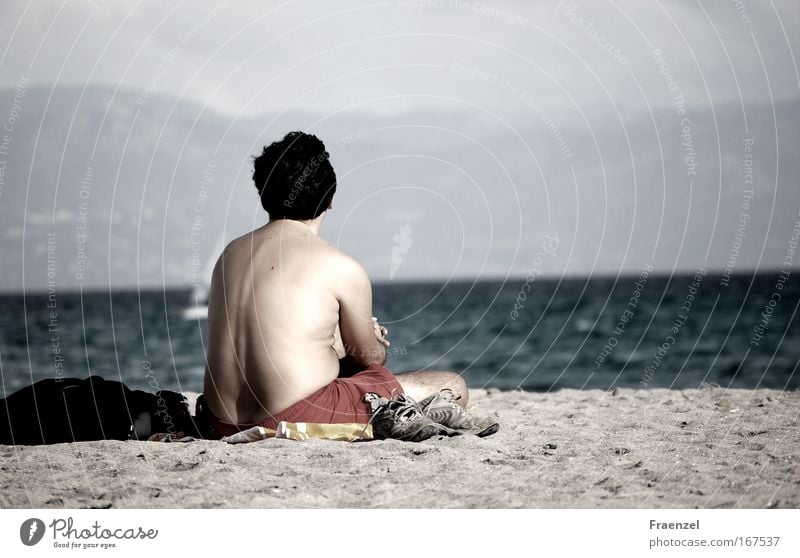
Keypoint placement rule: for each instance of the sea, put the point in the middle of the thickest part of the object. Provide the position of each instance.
(641, 331)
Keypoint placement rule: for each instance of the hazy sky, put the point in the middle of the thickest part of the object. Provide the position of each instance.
(465, 134)
(321, 56)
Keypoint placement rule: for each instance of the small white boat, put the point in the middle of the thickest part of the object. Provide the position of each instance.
(198, 304)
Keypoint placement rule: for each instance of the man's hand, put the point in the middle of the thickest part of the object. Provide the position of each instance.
(380, 332)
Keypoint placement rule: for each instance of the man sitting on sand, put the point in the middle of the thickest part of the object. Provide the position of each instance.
(290, 320)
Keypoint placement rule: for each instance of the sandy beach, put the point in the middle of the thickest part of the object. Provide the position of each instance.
(707, 448)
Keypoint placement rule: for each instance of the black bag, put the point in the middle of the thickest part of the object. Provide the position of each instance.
(73, 410)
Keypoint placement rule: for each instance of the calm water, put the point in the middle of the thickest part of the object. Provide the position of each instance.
(578, 333)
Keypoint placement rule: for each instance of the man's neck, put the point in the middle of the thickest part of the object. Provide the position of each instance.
(313, 225)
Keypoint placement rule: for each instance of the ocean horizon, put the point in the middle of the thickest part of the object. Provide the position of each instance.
(535, 333)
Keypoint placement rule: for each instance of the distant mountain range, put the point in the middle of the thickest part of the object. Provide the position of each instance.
(113, 190)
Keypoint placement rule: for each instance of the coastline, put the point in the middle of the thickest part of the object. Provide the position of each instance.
(655, 448)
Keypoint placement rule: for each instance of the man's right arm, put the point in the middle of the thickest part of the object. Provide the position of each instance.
(354, 293)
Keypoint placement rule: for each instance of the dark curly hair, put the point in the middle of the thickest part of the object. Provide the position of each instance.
(294, 177)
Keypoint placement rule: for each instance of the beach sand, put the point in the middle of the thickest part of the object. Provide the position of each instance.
(707, 448)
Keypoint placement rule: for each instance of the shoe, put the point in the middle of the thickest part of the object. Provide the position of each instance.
(402, 419)
(443, 408)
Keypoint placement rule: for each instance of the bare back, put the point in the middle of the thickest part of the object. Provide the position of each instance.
(273, 310)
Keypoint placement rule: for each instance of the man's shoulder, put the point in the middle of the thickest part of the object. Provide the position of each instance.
(238, 244)
(344, 265)
(348, 273)
(327, 258)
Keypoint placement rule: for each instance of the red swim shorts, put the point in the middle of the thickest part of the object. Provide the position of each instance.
(340, 401)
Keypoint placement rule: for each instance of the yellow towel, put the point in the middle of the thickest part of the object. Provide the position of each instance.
(345, 432)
